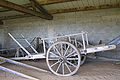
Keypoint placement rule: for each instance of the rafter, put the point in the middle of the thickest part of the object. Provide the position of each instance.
(13, 6)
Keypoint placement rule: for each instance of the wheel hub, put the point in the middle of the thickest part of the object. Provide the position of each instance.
(63, 59)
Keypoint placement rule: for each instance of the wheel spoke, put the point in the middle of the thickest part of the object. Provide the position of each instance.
(54, 63)
(67, 50)
(71, 64)
(68, 67)
(53, 59)
(72, 58)
(63, 68)
(70, 53)
(54, 54)
(58, 67)
(57, 50)
(61, 49)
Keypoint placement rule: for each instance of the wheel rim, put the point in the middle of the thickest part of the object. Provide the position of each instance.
(60, 59)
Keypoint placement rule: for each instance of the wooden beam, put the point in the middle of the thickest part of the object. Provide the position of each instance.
(86, 8)
(10, 5)
(25, 5)
(38, 6)
(47, 2)
(33, 5)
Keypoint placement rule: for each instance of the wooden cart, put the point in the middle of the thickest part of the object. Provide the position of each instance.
(64, 54)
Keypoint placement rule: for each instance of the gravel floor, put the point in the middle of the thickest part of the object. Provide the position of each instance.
(91, 70)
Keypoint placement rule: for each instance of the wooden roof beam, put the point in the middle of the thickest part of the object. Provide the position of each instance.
(38, 6)
(47, 2)
(13, 6)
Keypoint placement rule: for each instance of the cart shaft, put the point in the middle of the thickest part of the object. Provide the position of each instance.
(98, 48)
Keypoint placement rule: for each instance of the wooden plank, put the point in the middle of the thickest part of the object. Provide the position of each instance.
(17, 73)
(22, 64)
(13, 6)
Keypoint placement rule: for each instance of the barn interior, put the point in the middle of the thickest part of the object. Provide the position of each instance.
(39, 19)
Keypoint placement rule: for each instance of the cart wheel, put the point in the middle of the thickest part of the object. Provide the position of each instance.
(63, 58)
(78, 44)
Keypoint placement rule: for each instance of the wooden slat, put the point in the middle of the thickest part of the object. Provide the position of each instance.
(10, 5)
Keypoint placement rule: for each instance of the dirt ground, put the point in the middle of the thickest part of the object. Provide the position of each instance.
(91, 70)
